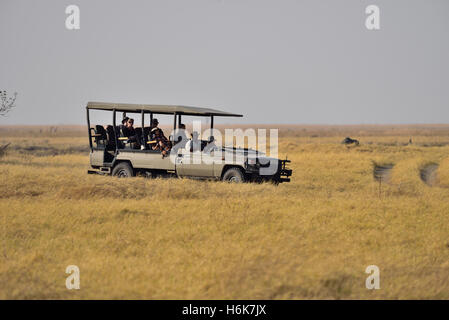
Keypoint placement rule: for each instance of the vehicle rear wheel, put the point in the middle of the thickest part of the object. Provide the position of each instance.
(123, 170)
(234, 175)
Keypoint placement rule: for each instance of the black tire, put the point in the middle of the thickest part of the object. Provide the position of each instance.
(234, 175)
(123, 170)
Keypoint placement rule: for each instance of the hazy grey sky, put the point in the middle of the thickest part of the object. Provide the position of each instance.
(274, 61)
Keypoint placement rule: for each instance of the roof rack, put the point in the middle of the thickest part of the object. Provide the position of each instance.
(159, 109)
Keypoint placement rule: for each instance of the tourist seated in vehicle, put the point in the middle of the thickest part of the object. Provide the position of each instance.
(161, 142)
(193, 145)
(181, 136)
(122, 126)
(129, 132)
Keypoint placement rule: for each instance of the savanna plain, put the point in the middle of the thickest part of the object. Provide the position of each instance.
(384, 202)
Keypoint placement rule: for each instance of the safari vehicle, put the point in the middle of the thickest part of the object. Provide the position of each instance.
(112, 153)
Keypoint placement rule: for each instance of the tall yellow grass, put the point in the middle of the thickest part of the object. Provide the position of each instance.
(178, 238)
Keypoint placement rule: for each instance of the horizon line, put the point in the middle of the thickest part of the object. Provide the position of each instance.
(252, 124)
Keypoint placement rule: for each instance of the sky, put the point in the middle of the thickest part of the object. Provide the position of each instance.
(284, 62)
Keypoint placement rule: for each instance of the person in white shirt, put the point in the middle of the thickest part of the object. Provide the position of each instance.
(181, 136)
(193, 145)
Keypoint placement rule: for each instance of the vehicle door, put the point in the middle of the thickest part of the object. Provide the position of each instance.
(194, 164)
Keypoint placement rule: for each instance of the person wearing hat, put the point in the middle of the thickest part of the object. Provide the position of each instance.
(122, 127)
(131, 133)
(162, 143)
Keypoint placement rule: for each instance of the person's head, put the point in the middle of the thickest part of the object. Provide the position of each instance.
(125, 120)
(182, 126)
(195, 135)
(154, 123)
(130, 123)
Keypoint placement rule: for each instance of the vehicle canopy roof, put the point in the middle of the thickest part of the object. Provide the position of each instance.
(159, 109)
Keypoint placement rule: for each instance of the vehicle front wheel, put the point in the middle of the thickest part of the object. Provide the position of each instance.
(123, 170)
(234, 175)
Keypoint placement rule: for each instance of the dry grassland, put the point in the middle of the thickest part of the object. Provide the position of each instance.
(185, 239)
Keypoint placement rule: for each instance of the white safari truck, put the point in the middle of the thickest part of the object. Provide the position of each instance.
(113, 153)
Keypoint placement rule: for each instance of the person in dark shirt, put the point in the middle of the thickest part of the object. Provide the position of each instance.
(162, 143)
(123, 126)
(130, 132)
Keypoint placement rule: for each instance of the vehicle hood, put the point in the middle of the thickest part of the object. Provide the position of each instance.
(249, 153)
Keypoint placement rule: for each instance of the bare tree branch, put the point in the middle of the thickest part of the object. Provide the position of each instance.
(6, 103)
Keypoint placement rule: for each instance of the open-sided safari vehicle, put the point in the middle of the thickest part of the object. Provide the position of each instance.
(113, 153)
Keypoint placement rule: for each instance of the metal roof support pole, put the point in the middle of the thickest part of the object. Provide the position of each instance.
(143, 138)
(211, 126)
(174, 127)
(115, 129)
(88, 128)
(179, 120)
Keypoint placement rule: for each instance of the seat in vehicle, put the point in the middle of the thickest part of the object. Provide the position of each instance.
(100, 136)
(139, 132)
(111, 142)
